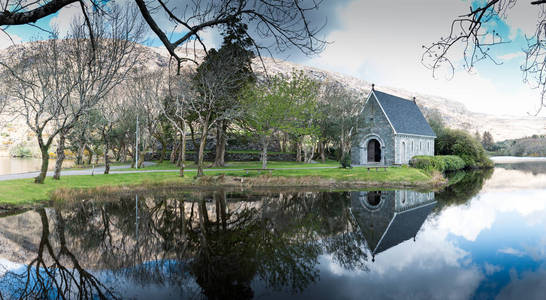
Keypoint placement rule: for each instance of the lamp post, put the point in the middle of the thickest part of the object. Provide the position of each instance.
(137, 142)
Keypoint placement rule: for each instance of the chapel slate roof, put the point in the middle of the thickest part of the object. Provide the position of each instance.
(405, 115)
(404, 226)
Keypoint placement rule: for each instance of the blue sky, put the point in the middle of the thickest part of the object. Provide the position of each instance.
(380, 41)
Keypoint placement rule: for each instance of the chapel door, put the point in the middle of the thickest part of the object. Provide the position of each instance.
(374, 151)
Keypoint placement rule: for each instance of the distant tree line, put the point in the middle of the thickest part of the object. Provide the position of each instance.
(534, 145)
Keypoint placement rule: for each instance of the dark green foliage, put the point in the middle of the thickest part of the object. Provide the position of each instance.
(457, 142)
(346, 161)
(487, 141)
(463, 186)
(440, 163)
(462, 144)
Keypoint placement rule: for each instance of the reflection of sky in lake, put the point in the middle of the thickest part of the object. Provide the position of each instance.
(492, 246)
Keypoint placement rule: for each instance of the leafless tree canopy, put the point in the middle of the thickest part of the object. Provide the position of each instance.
(276, 25)
(470, 31)
(55, 82)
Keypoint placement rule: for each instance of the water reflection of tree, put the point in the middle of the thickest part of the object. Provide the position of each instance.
(54, 272)
(224, 245)
(463, 186)
(534, 168)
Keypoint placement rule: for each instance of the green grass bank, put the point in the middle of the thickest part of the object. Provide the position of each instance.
(25, 192)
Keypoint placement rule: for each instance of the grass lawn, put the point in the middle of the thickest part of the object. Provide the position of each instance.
(24, 191)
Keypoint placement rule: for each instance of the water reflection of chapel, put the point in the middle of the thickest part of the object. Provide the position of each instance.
(388, 218)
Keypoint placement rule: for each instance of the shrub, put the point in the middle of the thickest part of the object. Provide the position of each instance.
(440, 163)
(462, 144)
(346, 161)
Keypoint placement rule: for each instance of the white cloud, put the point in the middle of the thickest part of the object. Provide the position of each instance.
(511, 251)
(510, 56)
(523, 17)
(491, 269)
(8, 40)
(65, 18)
(381, 42)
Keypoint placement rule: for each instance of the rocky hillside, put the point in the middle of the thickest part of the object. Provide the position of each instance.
(13, 132)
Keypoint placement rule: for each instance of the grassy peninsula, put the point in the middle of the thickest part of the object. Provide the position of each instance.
(25, 192)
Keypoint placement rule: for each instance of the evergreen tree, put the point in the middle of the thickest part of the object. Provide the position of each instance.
(487, 141)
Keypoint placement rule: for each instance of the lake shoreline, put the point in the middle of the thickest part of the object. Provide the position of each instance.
(19, 193)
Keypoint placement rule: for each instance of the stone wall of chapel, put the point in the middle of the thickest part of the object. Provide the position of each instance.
(373, 124)
(414, 145)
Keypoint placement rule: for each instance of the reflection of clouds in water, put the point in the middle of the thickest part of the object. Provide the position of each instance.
(538, 251)
(466, 221)
(430, 268)
(529, 285)
(7, 266)
(511, 251)
(480, 214)
(513, 180)
(491, 269)
(423, 277)
(435, 257)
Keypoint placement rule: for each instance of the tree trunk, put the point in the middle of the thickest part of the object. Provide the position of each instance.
(322, 150)
(309, 153)
(183, 153)
(284, 142)
(202, 144)
(176, 146)
(106, 159)
(298, 150)
(265, 142)
(60, 157)
(79, 157)
(195, 147)
(220, 145)
(180, 154)
(123, 153)
(163, 153)
(45, 164)
(89, 156)
(132, 155)
(140, 160)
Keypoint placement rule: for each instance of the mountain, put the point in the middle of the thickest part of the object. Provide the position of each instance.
(454, 114)
(13, 131)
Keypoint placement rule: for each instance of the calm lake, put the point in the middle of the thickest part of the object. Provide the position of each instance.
(483, 237)
(12, 165)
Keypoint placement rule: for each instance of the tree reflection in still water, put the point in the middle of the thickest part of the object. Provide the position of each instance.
(221, 241)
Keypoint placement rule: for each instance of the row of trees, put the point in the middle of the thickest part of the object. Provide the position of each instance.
(87, 90)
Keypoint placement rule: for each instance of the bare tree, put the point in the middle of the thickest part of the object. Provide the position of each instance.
(58, 81)
(472, 32)
(339, 108)
(39, 79)
(176, 108)
(276, 25)
(147, 89)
